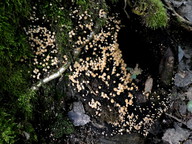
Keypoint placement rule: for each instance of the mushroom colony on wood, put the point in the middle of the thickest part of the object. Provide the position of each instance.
(43, 44)
(106, 86)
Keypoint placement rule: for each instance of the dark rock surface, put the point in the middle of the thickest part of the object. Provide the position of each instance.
(123, 139)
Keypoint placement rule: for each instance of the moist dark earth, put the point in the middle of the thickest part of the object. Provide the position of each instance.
(151, 49)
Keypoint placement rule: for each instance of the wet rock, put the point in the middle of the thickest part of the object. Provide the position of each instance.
(185, 10)
(189, 93)
(79, 119)
(175, 136)
(188, 142)
(189, 123)
(78, 107)
(77, 115)
(176, 3)
(184, 75)
(182, 108)
(183, 78)
(184, 58)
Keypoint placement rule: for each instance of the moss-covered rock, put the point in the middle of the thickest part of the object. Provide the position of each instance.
(156, 15)
(152, 12)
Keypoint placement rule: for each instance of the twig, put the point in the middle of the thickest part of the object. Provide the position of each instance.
(176, 118)
(184, 23)
(125, 6)
(51, 77)
(61, 70)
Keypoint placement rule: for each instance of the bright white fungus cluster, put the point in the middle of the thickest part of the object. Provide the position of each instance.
(100, 75)
(43, 43)
(44, 48)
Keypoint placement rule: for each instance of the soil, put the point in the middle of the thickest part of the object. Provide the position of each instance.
(147, 48)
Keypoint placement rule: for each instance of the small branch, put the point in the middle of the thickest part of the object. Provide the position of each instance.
(175, 118)
(125, 6)
(61, 70)
(51, 77)
(184, 23)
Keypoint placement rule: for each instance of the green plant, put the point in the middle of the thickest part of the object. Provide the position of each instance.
(62, 126)
(84, 4)
(24, 102)
(7, 128)
(152, 12)
(13, 47)
(15, 65)
(156, 15)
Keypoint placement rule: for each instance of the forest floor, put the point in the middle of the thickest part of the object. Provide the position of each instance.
(174, 126)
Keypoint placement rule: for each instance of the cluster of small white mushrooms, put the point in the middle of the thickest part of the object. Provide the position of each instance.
(100, 75)
(43, 44)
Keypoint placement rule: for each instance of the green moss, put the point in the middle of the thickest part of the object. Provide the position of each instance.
(7, 128)
(152, 12)
(62, 126)
(49, 116)
(13, 46)
(24, 102)
(156, 15)
(140, 7)
(83, 3)
(28, 129)
(15, 57)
